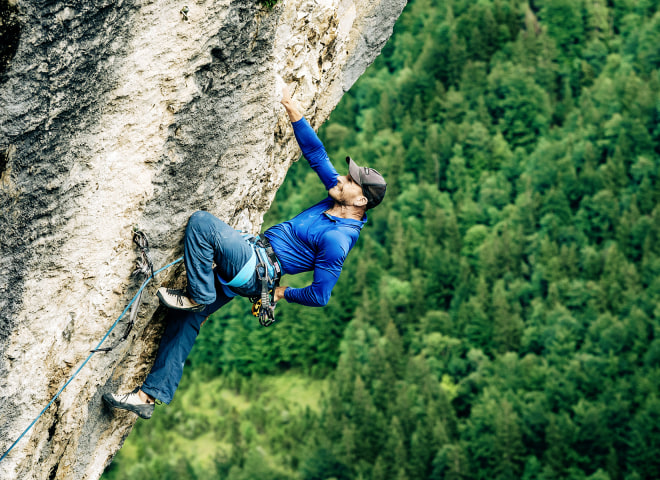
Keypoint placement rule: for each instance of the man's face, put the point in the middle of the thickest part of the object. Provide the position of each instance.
(347, 191)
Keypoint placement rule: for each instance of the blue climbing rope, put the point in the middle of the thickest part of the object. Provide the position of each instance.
(146, 282)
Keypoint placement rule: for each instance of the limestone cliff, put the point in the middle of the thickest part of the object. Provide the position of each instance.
(136, 112)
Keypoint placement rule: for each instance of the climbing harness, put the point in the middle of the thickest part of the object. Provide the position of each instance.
(268, 269)
(141, 241)
(269, 272)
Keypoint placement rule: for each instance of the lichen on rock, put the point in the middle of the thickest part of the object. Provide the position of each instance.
(116, 114)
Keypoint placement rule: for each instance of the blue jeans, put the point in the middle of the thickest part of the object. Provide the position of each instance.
(207, 239)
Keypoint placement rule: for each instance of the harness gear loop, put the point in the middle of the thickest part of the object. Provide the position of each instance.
(263, 306)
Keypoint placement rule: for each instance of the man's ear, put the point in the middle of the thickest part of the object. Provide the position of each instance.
(361, 201)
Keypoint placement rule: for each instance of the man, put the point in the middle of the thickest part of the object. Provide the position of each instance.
(317, 240)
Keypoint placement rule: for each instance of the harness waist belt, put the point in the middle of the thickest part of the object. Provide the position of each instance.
(260, 246)
(244, 275)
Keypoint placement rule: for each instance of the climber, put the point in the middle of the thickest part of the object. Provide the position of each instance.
(318, 240)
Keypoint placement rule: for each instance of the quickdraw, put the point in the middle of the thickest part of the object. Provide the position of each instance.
(143, 266)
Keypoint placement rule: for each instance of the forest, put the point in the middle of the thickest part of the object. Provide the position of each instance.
(499, 317)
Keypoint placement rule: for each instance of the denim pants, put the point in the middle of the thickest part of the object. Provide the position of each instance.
(207, 239)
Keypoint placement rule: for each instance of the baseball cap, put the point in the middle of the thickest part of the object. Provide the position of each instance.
(372, 183)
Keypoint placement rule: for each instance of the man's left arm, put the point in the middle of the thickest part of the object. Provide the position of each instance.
(315, 295)
(326, 274)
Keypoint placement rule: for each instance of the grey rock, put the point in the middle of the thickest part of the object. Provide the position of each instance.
(122, 113)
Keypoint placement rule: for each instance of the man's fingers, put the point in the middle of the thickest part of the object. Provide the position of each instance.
(281, 89)
(286, 96)
(278, 294)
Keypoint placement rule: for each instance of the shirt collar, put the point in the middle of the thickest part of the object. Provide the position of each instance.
(347, 221)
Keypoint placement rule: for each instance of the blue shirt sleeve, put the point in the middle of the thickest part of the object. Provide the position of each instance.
(314, 151)
(330, 260)
(315, 295)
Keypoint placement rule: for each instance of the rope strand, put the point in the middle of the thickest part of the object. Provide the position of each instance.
(139, 293)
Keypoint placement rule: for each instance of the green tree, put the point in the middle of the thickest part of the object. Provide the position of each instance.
(507, 324)
(644, 449)
(565, 24)
(521, 107)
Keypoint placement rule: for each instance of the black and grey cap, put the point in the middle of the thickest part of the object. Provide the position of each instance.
(372, 183)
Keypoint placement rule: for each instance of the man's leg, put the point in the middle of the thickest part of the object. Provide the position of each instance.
(175, 345)
(207, 240)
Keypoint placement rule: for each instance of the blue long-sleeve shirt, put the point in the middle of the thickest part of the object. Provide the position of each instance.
(314, 240)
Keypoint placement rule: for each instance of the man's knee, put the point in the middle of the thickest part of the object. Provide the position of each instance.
(205, 225)
(198, 218)
(202, 222)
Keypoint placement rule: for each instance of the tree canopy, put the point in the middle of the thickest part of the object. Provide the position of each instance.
(498, 317)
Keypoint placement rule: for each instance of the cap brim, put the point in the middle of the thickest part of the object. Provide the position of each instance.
(354, 171)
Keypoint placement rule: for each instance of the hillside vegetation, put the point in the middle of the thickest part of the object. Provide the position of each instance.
(499, 316)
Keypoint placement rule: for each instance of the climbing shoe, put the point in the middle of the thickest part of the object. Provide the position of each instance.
(131, 402)
(178, 300)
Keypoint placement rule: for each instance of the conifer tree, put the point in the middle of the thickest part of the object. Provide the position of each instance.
(507, 324)
(508, 445)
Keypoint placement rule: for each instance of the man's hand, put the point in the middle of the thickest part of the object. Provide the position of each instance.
(278, 294)
(286, 95)
(291, 109)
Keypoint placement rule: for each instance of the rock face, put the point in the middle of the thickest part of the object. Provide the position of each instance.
(134, 112)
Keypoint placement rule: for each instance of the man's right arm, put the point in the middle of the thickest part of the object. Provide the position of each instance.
(310, 144)
(291, 109)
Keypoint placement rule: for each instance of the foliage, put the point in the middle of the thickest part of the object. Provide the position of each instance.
(498, 318)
